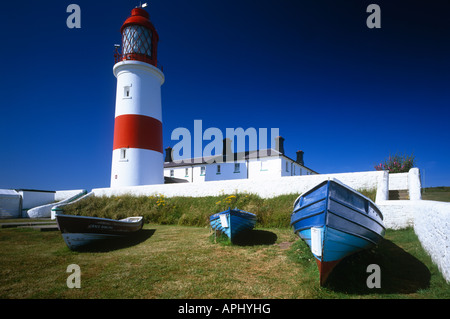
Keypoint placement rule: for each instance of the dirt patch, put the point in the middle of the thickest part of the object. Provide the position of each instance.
(285, 245)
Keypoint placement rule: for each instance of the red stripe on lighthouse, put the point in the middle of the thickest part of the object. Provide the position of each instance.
(138, 131)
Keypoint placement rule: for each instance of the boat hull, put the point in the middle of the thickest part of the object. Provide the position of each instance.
(336, 221)
(78, 231)
(232, 222)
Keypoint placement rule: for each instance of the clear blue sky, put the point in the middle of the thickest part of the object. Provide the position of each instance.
(347, 95)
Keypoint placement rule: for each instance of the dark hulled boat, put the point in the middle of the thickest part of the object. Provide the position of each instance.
(78, 231)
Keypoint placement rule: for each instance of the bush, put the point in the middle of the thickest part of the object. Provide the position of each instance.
(397, 164)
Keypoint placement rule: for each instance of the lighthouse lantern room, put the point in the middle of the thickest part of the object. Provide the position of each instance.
(137, 148)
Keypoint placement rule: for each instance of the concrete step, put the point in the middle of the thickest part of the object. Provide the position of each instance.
(28, 223)
(402, 194)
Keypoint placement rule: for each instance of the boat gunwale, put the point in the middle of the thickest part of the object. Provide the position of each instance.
(354, 234)
(326, 211)
(336, 181)
(357, 211)
(229, 211)
(309, 216)
(328, 198)
(104, 219)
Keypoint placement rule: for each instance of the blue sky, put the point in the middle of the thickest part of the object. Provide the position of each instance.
(347, 95)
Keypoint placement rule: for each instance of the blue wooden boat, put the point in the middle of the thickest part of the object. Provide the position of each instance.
(232, 221)
(336, 221)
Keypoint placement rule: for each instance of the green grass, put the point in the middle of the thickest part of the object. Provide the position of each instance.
(436, 193)
(189, 211)
(177, 256)
(167, 261)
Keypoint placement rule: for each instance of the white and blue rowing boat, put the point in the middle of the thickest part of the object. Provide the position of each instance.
(336, 221)
(232, 221)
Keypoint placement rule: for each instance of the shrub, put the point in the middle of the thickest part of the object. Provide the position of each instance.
(189, 211)
(397, 164)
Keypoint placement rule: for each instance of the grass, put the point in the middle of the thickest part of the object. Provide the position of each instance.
(189, 211)
(177, 257)
(436, 193)
(183, 262)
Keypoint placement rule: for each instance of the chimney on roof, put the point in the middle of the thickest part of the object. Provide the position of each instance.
(300, 158)
(168, 155)
(279, 144)
(227, 153)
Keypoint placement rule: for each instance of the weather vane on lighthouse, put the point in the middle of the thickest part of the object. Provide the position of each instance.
(138, 146)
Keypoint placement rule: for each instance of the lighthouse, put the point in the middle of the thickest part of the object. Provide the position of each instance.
(138, 147)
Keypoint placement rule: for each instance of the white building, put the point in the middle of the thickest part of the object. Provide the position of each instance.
(259, 164)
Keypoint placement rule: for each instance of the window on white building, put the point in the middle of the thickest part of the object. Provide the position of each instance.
(287, 166)
(202, 170)
(171, 173)
(218, 169)
(237, 167)
(186, 173)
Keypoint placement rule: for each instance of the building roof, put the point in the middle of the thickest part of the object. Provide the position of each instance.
(234, 157)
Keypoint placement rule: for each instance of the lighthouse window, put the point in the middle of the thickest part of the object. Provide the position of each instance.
(137, 39)
(123, 153)
(126, 92)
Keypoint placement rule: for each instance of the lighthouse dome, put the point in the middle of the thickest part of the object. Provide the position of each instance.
(139, 38)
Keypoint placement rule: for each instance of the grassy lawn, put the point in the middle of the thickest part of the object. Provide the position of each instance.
(176, 256)
(175, 262)
(441, 194)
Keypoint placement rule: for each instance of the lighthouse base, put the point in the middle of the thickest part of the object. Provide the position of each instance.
(133, 167)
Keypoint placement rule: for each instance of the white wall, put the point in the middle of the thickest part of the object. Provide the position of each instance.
(227, 171)
(431, 222)
(34, 198)
(44, 211)
(263, 168)
(265, 187)
(432, 226)
(398, 181)
(10, 204)
(64, 194)
(179, 172)
(194, 173)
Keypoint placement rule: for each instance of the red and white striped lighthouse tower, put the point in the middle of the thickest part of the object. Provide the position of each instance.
(138, 149)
